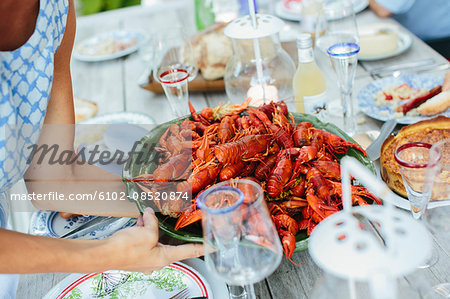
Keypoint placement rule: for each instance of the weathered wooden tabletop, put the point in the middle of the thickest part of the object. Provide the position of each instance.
(113, 86)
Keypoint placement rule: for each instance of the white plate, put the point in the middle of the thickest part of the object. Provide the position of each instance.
(161, 284)
(366, 99)
(90, 133)
(50, 224)
(404, 43)
(120, 118)
(292, 12)
(133, 37)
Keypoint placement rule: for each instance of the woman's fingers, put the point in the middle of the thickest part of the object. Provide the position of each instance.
(181, 252)
(150, 220)
(140, 221)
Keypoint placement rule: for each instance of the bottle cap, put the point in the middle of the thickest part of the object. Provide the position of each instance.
(304, 41)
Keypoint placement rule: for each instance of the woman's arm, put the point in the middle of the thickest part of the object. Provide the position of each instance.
(59, 129)
(132, 249)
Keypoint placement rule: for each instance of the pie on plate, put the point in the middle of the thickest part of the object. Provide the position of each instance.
(428, 131)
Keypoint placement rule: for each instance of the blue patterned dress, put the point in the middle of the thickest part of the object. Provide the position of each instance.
(26, 76)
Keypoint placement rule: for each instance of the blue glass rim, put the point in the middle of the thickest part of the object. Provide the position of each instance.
(202, 197)
(351, 45)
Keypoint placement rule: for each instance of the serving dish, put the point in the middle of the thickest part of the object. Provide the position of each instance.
(193, 233)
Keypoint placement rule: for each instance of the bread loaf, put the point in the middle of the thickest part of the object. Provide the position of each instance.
(84, 109)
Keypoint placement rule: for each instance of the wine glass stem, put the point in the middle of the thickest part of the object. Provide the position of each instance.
(349, 117)
(242, 292)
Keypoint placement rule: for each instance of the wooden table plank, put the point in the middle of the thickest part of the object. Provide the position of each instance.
(100, 82)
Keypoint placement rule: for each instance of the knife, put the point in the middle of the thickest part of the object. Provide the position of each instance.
(373, 151)
(90, 226)
(396, 67)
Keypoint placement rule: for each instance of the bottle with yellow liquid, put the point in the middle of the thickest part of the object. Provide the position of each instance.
(309, 84)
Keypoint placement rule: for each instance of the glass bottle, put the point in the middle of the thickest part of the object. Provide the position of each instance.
(204, 15)
(309, 83)
(310, 10)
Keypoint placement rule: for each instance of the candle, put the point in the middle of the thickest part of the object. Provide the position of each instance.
(258, 97)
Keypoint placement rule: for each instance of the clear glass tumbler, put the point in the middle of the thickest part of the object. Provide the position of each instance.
(174, 65)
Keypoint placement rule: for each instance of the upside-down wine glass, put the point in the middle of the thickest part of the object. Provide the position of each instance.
(344, 59)
(241, 242)
(437, 212)
(174, 65)
(415, 165)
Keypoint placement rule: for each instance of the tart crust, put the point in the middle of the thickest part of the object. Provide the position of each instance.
(428, 131)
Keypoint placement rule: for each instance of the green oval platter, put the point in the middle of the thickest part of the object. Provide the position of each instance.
(193, 233)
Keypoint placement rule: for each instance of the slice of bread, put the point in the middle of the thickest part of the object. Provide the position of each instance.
(437, 104)
(84, 109)
(428, 131)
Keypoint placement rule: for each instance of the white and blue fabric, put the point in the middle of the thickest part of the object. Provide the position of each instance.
(26, 76)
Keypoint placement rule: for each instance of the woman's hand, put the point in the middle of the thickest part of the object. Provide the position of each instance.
(137, 248)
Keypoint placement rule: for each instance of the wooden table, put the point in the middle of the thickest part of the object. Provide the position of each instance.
(113, 86)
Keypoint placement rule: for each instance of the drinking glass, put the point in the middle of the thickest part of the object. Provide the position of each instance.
(241, 242)
(174, 65)
(336, 23)
(412, 159)
(344, 59)
(415, 165)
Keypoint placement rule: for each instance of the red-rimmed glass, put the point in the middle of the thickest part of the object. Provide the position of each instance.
(413, 159)
(174, 65)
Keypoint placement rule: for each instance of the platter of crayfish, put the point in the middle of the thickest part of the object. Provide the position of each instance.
(292, 155)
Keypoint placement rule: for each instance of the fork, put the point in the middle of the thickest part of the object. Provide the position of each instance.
(183, 294)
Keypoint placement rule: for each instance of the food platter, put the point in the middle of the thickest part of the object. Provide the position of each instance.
(193, 233)
(367, 103)
(109, 45)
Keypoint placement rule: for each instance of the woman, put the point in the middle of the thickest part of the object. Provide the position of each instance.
(35, 88)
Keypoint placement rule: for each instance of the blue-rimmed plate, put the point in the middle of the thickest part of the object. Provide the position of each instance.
(367, 104)
(50, 224)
